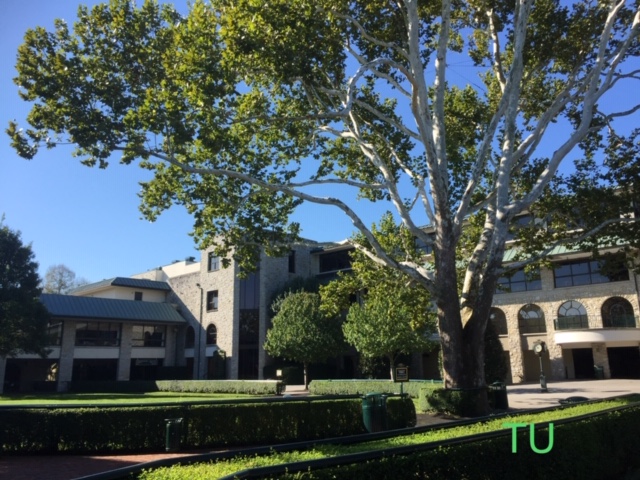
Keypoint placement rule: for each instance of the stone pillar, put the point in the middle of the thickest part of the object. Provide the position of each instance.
(601, 358)
(516, 358)
(67, 347)
(124, 357)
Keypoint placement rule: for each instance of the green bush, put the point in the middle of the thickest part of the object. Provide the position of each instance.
(602, 447)
(250, 387)
(120, 429)
(449, 400)
(360, 387)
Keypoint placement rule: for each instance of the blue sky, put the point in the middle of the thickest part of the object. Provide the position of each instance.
(87, 218)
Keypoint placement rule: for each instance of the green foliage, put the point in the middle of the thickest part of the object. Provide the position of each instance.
(23, 319)
(360, 387)
(453, 401)
(250, 387)
(468, 460)
(300, 331)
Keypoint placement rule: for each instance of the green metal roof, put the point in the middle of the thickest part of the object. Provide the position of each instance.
(93, 308)
(124, 282)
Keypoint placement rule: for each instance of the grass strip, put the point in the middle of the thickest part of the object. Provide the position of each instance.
(226, 467)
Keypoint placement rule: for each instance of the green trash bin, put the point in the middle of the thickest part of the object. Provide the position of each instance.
(374, 412)
(498, 396)
(173, 434)
(599, 372)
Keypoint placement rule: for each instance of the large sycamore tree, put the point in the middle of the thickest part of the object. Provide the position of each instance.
(244, 109)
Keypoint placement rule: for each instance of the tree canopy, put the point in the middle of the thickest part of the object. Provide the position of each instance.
(245, 109)
(23, 318)
(300, 332)
(61, 279)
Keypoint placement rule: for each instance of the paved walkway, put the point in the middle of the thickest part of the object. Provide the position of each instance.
(67, 467)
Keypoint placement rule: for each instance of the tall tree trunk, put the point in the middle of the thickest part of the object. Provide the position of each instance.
(305, 371)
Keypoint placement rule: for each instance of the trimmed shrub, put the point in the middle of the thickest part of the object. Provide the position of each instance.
(250, 387)
(360, 387)
(142, 428)
(450, 400)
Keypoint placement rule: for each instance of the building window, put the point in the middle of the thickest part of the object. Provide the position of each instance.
(148, 335)
(617, 312)
(587, 272)
(572, 315)
(212, 300)
(292, 261)
(137, 296)
(212, 335)
(213, 263)
(97, 334)
(531, 319)
(335, 261)
(499, 321)
(54, 333)
(519, 281)
(190, 338)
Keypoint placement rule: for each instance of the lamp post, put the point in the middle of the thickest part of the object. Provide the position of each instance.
(539, 348)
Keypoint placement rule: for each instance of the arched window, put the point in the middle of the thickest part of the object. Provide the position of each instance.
(617, 312)
(531, 319)
(190, 339)
(499, 320)
(212, 335)
(572, 315)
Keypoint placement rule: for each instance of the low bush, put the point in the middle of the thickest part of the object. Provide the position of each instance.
(453, 401)
(251, 387)
(142, 428)
(360, 387)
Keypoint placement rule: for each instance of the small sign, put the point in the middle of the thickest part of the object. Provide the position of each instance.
(402, 374)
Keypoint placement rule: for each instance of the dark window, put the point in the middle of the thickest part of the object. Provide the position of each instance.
(148, 335)
(617, 312)
(249, 327)
(212, 300)
(214, 262)
(499, 320)
(190, 338)
(587, 272)
(97, 334)
(519, 281)
(531, 319)
(212, 335)
(250, 291)
(292, 261)
(518, 223)
(54, 332)
(331, 262)
(424, 248)
(137, 296)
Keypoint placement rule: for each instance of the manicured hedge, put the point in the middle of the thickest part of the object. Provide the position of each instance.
(251, 387)
(453, 401)
(143, 428)
(360, 387)
(601, 447)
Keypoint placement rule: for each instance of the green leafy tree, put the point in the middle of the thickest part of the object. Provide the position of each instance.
(23, 319)
(300, 332)
(242, 110)
(385, 327)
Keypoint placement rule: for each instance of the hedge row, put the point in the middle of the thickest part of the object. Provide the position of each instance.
(119, 429)
(360, 387)
(251, 387)
(602, 447)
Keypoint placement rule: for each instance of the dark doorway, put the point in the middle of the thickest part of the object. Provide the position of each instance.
(583, 363)
(144, 368)
(624, 362)
(248, 368)
(95, 370)
(12, 377)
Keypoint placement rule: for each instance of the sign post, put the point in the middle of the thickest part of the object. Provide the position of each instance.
(402, 375)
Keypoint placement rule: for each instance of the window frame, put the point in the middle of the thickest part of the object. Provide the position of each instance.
(213, 301)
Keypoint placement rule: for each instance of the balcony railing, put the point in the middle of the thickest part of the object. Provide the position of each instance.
(571, 323)
(581, 322)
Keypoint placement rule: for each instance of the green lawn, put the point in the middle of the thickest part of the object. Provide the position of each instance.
(226, 467)
(115, 398)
